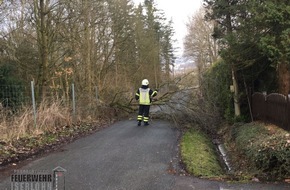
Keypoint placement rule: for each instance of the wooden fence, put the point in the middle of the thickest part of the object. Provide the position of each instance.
(273, 108)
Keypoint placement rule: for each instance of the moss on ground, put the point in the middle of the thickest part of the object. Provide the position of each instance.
(199, 156)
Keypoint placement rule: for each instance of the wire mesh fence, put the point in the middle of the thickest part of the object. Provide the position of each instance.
(29, 109)
(15, 97)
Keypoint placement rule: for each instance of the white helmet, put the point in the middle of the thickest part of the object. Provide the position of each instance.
(145, 82)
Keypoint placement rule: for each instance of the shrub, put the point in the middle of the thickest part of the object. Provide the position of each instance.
(267, 146)
(216, 89)
(11, 89)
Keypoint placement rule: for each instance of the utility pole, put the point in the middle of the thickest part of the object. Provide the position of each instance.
(236, 94)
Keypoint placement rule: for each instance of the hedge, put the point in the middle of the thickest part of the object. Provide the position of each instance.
(266, 146)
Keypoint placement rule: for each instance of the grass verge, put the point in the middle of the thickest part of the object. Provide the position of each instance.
(199, 156)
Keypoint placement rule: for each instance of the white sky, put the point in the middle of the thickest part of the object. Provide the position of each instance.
(179, 11)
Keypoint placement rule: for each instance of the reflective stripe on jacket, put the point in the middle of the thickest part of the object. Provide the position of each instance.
(154, 93)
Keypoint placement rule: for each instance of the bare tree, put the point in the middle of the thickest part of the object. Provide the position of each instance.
(199, 45)
(91, 43)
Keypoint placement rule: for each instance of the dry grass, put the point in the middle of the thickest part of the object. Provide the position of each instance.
(49, 118)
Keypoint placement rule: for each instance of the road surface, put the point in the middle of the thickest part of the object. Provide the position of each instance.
(126, 157)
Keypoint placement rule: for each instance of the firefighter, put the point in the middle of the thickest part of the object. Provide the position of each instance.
(144, 95)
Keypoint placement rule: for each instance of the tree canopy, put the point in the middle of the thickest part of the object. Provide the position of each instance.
(111, 44)
(253, 33)
(253, 41)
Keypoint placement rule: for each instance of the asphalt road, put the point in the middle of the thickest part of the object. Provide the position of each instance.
(126, 157)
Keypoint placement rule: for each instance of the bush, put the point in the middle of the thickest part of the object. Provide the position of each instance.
(267, 147)
(216, 89)
(11, 89)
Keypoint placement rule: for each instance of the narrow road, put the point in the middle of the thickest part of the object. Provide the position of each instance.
(127, 157)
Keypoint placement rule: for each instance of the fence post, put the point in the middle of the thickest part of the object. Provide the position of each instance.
(73, 99)
(33, 102)
(288, 112)
(97, 97)
(265, 106)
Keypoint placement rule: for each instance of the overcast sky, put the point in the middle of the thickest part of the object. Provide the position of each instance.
(179, 11)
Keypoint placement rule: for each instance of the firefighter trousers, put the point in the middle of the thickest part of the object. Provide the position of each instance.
(143, 113)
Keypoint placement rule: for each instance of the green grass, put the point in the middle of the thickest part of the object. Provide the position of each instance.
(248, 133)
(199, 156)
